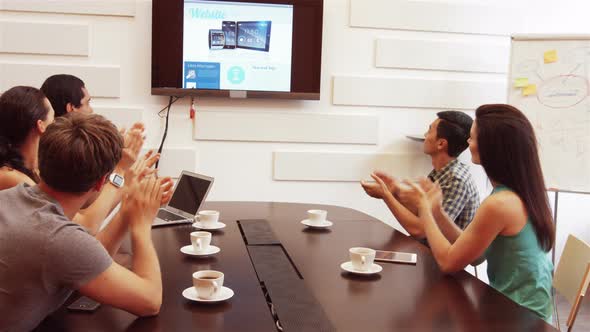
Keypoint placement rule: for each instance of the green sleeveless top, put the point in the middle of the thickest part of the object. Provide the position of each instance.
(520, 269)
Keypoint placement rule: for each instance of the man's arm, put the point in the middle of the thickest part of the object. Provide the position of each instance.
(138, 291)
(408, 220)
(93, 216)
(112, 235)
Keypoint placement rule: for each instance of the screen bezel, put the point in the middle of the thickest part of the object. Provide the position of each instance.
(167, 45)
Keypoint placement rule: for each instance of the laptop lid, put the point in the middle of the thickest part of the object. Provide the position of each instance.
(189, 193)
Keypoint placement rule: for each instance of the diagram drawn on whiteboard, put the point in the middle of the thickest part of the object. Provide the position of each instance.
(549, 82)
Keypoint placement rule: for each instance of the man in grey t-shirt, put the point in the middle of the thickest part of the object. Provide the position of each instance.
(44, 256)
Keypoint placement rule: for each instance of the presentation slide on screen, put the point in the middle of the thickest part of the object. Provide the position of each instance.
(237, 46)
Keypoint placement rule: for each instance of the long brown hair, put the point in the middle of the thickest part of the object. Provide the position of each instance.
(20, 109)
(508, 153)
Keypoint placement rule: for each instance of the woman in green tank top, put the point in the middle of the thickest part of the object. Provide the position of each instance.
(513, 228)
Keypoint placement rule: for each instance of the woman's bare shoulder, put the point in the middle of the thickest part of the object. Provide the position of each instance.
(506, 207)
(10, 178)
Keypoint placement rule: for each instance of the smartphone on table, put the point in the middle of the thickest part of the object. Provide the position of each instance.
(396, 257)
(84, 304)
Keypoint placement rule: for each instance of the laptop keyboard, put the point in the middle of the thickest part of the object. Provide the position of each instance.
(169, 216)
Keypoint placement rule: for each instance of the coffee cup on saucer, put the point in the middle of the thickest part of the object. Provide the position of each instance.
(207, 218)
(317, 217)
(208, 283)
(200, 241)
(362, 258)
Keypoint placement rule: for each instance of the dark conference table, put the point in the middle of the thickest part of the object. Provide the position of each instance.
(400, 298)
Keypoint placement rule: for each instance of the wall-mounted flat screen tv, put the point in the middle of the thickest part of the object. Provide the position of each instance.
(237, 48)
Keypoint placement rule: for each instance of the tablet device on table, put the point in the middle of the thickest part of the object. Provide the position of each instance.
(396, 257)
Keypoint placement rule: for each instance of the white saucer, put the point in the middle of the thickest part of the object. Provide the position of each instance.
(217, 225)
(325, 224)
(189, 250)
(347, 266)
(224, 294)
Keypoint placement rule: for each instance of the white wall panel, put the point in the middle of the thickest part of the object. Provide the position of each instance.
(44, 38)
(287, 127)
(443, 55)
(174, 160)
(436, 16)
(409, 92)
(119, 41)
(101, 81)
(122, 117)
(345, 167)
(89, 7)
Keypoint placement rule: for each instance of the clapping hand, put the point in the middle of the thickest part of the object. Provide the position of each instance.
(425, 194)
(412, 196)
(167, 185)
(375, 190)
(378, 189)
(143, 200)
(141, 168)
(433, 192)
(132, 143)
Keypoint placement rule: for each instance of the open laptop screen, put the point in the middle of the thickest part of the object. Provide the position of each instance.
(189, 193)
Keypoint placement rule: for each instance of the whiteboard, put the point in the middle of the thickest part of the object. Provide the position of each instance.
(549, 82)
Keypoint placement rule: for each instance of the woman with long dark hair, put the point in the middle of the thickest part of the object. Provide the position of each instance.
(513, 228)
(25, 113)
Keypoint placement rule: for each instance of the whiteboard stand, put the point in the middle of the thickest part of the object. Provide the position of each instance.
(556, 202)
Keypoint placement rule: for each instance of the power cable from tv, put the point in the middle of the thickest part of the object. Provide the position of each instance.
(171, 101)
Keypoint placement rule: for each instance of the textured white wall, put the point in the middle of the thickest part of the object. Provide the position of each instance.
(452, 54)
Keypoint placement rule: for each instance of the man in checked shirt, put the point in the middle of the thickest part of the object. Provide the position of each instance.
(444, 141)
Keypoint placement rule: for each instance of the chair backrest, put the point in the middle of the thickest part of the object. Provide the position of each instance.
(572, 269)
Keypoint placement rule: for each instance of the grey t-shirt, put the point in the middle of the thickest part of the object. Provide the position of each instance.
(43, 257)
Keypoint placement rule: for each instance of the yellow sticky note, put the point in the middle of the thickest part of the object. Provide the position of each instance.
(521, 82)
(529, 90)
(550, 56)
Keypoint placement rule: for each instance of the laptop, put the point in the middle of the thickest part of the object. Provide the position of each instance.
(189, 193)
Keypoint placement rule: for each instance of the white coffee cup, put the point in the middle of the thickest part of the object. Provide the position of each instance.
(361, 258)
(200, 241)
(317, 217)
(207, 283)
(207, 218)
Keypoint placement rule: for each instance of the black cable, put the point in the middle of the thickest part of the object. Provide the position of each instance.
(170, 102)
